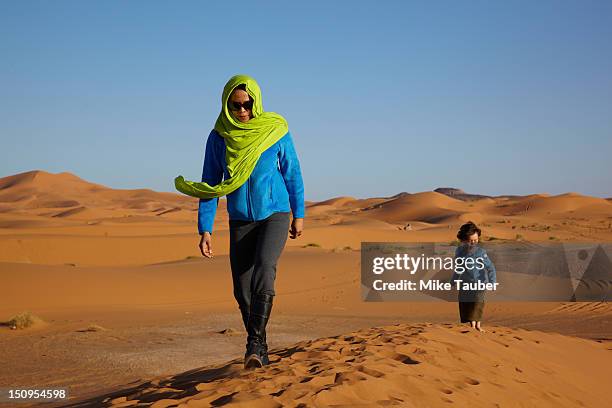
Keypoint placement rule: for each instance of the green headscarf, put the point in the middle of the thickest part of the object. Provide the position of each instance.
(245, 142)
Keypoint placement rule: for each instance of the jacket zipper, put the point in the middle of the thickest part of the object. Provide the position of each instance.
(249, 205)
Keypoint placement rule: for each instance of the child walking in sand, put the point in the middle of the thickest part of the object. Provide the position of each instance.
(471, 302)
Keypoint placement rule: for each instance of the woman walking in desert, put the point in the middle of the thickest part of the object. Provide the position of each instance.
(250, 158)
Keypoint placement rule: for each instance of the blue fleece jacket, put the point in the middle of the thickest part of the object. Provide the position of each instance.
(485, 275)
(275, 185)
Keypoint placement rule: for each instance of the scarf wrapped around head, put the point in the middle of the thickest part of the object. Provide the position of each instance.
(245, 142)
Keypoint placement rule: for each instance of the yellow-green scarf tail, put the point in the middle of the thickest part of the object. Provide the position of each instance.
(245, 142)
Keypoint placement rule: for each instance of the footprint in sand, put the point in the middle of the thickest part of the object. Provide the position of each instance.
(502, 343)
(349, 351)
(370, 371)
(472, 381)
(310, 355)
(349, 377)
(274, 358)
(405, 359)
(225, 399)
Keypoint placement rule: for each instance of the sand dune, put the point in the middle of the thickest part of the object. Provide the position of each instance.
(71, 250)
(584, 307)
(336, 202)
(429, 207)
(33, 198)
(42, 216)
(563, 203)
(418, 365)
(40, 189)
(460, 194)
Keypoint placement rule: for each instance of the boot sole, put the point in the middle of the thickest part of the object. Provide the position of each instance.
(253, 361)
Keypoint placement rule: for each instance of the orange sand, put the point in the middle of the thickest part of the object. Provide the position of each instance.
(125, 264)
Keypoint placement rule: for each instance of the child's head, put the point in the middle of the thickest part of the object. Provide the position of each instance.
(469, 233)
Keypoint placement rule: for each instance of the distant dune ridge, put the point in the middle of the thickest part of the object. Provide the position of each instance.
(40, 189)
(37, 189)
(64, 205)
(459, 194)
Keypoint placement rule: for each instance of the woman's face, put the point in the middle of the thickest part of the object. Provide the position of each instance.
(236, 105)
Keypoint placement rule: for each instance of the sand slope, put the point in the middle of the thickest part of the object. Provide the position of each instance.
(419, 365)
(76, 253)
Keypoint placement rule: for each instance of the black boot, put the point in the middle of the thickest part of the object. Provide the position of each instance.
(245, 317)
(257, 349)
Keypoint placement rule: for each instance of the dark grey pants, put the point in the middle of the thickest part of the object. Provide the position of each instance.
(254, 251)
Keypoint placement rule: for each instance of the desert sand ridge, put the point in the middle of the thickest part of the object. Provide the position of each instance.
(409, 365)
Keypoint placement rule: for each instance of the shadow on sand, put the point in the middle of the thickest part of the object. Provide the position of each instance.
(180, 385)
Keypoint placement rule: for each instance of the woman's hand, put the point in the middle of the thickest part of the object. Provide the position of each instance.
(206, 245)
(297, 226)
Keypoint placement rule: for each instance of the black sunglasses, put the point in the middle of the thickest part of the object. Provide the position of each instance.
(235, 106)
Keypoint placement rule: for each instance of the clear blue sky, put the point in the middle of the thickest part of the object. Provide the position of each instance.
(505, 97)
